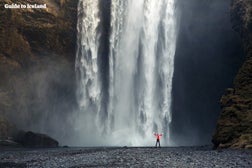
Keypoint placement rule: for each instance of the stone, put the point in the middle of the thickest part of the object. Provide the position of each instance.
(35, 140)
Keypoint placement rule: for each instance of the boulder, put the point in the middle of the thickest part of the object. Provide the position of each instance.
(35, 140)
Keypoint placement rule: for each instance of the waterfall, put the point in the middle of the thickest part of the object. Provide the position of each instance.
(124, 90)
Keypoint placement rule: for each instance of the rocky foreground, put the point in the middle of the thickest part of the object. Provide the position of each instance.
(126, 157)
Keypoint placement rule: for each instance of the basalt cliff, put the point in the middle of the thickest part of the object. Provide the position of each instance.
(234, 127)
(37, 53)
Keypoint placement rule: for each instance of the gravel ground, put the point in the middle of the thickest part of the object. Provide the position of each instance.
(127, 157)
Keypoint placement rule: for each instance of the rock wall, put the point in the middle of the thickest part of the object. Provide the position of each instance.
(234, 127)
(37, 53)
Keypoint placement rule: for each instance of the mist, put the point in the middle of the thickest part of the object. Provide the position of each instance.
(208, 56)
(44, 97)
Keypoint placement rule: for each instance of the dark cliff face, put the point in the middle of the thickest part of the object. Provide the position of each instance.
(37, 54)
(234, 127)
(208, 56)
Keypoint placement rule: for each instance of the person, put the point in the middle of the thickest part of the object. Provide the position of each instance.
(158, 136)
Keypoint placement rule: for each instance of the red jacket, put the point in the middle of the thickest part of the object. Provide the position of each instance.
(158, 136)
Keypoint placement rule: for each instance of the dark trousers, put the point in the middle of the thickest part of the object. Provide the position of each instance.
(158, 142)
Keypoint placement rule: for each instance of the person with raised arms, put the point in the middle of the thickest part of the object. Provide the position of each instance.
(158, 136)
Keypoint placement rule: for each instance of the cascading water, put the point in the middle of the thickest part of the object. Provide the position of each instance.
(124, 94)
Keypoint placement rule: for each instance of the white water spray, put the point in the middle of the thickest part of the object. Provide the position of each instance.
(142, 45)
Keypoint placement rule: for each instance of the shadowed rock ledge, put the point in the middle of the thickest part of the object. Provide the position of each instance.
(35, 140)
(234, 127)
